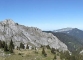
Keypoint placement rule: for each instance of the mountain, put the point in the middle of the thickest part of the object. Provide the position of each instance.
(73, 43)
(63, 30)
(9, 30)
(73, 32)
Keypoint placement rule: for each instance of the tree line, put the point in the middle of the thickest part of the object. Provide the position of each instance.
(10, 47)
(6, 47)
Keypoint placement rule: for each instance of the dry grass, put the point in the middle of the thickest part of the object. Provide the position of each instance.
(30, 55)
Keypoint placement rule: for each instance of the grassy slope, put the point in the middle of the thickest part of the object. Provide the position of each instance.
(30, 55)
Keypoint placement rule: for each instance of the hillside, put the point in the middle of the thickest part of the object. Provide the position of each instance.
(30, 55)
(9, 30)
(73, 32)
(26, 54)
(73, 43)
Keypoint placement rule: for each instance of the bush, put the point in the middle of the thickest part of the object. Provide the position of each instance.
(43, 52)
(19, 54)
(48, 47)
(53, 51)
(54, 57)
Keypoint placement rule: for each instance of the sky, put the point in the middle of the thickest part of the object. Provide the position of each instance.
(44, 14)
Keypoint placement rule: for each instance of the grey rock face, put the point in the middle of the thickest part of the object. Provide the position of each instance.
(28, 35)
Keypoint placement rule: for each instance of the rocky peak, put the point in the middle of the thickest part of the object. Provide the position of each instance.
(64, 29)
(8, 22)
(28, 35)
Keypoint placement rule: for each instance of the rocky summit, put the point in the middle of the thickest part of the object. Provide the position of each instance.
(9, 30)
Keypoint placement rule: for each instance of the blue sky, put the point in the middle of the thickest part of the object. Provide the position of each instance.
(44, 14)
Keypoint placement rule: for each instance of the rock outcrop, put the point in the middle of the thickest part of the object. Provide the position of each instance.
(28, 35)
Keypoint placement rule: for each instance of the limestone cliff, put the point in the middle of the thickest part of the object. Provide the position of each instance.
(28, 35)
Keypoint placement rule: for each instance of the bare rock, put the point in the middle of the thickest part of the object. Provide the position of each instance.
(28, 35)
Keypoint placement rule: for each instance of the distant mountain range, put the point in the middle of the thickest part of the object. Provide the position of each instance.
(72, 31)
(63, 29)
(72, 37)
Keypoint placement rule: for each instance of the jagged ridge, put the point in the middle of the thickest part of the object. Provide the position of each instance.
(28, 35)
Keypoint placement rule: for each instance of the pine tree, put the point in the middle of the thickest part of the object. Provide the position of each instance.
(11, 46)
(73, 57)
(53, 51)
(11, 49)
(3, 44)
(22, 45)
(18, 48)
(48, 47)
(11, 43)
(54, 57)
(5, 47)
(65, 55)
(43, 52)
(0, 44)
(27, 47)
(41, 46)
